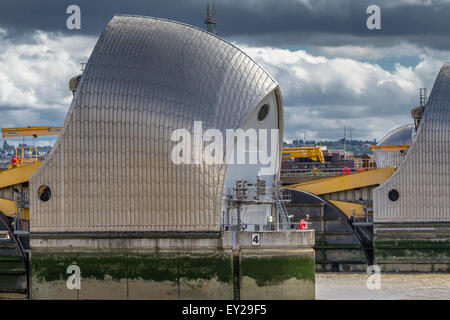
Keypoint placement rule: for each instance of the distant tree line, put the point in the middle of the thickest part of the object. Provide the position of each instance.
(357, 147)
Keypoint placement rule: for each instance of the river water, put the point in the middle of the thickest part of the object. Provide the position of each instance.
(351, 286)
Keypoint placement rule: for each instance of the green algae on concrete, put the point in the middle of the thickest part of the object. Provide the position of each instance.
(276, 269)
(412, 249)
(172, 266)
(206, 267)
(413, 255)
(171, 275)
(277, 275)
(412, 244)
(152, 266)
(131, 275)
(51, 267)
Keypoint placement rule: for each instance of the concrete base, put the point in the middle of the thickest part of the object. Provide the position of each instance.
(284, 275)
(281, 266)
(133, 275)
(412, 248)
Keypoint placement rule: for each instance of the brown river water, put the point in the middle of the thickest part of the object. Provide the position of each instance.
(353, 286)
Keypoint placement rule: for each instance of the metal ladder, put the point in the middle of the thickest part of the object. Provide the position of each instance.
(14, 282)
(21, 199)
(281, 208)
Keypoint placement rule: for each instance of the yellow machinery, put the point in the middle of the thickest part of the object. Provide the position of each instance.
(364, 164)
(391, 148)
(354, 181)
(24, 163)
(350, 209)
(313, 153)
(24, 155)
(30, 132)
(13, 178)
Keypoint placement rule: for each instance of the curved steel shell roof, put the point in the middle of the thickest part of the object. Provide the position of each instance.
(110, 169)
(400, 136)
(423, 179)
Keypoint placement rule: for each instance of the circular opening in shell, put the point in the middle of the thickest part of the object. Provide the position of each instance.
(393, 195)
(263, 112)
(44, 193)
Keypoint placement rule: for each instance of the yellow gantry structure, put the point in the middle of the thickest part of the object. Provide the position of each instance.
(350, 209)
(27, 154)
(30, 132)
(12, 177)
(24, 164)
(313, 153)
(345, 182)
(390, 148)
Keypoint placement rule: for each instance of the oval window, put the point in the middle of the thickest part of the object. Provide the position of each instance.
(44, 193)
(263, 112)
(393, 195)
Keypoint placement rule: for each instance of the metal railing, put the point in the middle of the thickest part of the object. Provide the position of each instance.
(28, 154)
(22, 202)
(266, 227)
(257, 194)
(332, 172)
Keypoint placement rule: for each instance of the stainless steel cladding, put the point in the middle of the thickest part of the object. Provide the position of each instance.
(400, 136)
(111, 168)
(419, 191)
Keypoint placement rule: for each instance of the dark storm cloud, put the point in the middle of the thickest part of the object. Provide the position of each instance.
(5, 108)
(271, 22)
(20, 16)
(326, 87)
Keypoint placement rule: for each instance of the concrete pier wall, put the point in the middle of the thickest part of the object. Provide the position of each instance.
(151, 267)
(418, 247)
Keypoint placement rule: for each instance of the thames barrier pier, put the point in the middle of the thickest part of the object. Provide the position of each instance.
(111, 216)
(412, 208)
(396, 215)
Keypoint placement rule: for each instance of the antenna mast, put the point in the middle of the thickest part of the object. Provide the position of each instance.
(211, 19)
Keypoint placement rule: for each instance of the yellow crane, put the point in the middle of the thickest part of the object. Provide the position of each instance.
(30, 132)
(313, 153)
(23, 165)
(28, 154)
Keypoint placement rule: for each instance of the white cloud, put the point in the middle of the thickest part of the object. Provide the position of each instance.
(370, 52)
(322, 91)
(322, 94)
(34, 76)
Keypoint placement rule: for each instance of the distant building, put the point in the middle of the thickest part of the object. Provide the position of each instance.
(335, 160)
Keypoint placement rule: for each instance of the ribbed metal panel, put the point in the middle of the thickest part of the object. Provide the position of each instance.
(423, 179)
(400, 136)
(110, 169)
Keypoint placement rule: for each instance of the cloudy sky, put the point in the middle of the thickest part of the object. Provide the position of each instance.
(332, 70)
